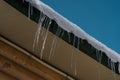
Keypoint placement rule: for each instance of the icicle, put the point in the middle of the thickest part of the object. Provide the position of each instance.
(62, 34)
(44, 42)
(43, 29)
(119, 67)
(34, 43)
(112, 66)
(69, 37)
(75, 66)
(41, 19)
(113, 70)
(75, 69)
(71, 61)
(54, 43)
(58, 33)
(52, 47)
(37, 34)
(97, 55)
(72, 53)
(29, 11)
(100, 61)
(78, 44)
(99, 58)
(109, 65)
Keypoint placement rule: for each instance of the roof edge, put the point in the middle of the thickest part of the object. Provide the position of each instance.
(84, 44)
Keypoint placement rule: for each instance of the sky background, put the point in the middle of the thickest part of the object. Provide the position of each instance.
(99, 18)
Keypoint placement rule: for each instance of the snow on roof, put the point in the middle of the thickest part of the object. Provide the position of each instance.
(76, 30)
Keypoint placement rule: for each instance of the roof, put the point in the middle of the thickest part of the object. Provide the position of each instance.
(73, 28)
(72, 35)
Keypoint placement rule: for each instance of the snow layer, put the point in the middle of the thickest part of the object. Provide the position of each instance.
(76, 30)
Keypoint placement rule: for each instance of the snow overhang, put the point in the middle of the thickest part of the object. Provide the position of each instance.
(72, 33)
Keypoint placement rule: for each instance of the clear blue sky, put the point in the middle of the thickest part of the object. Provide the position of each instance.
(99, 18)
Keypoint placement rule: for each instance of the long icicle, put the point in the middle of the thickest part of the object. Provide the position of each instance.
(113, 70)
(76, 57)
(40, 27)
(55, 46)
(51, 50)
(44, 42)
(43, 33)
(37, 34)
(115, 78)
(100, 61)
(72, 57)
(54, 43)
(99, 58)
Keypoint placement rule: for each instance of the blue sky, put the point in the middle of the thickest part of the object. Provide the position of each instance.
(99, 18)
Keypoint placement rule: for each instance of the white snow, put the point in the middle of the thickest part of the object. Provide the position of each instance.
(76, 30)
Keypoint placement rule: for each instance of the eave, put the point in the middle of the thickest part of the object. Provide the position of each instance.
(84, 46)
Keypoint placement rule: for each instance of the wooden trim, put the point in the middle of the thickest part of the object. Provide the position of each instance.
(4, 76)
(26, 62)
(16, 70)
